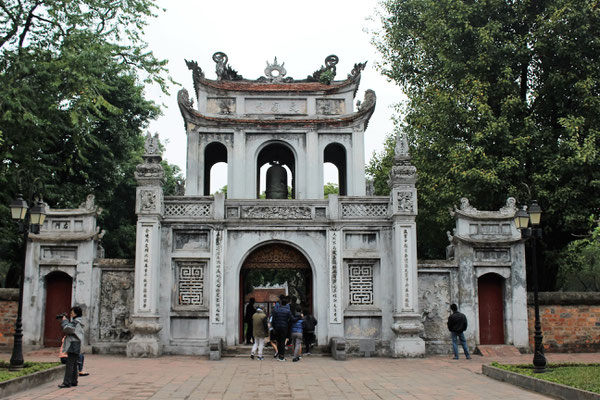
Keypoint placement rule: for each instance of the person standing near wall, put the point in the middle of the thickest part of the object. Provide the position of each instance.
(282, 317)
(260, 329)
(248, 320)
(457, 325)
(73, 330)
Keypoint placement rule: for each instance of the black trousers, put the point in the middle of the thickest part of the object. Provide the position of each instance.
(249, 332)
(281, 335)
(71, 372)
(309, 339)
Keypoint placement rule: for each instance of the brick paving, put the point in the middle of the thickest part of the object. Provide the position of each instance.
(192, 377)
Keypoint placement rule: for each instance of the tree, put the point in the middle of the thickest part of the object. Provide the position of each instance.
(580, 263)
(330, 188)
(500, 94)
(72, 107)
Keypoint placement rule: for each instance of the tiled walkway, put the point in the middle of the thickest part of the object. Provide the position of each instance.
(189, 377)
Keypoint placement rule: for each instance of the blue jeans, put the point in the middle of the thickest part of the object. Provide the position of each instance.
(463, 341)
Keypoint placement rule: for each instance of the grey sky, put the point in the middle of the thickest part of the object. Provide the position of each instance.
(300, 34)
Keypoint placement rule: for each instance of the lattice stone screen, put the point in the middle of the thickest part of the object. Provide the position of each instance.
(190, 283)
(188, 209)
(360, 282)
(364, 210)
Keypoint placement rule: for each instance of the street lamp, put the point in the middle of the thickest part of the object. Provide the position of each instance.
(30, 220)
(522, 219)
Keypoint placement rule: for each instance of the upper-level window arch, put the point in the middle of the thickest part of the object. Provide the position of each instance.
(275, 153)
(214, 153)
(335, 154)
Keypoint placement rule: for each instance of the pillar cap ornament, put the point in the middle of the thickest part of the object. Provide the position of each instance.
(402, 172)
(150, 172)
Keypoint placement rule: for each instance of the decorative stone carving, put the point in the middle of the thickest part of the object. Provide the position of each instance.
(434, 290)
(183, 98)
(190, 283)
(194, 209)
(357, 69)
(194, 240)
(116, 305)
(368, 101)
(277, 212)
(326, 73)
(360, 284)
(275, 72)
(466, 206)
(361, 210)
(148, 200)
(402, 172)
(510, 207)
(152, 144)
(331, 106)
(276, 256)
(405, 202)
(197, 73)
(89, 204)
(221, 105)
(224, 70)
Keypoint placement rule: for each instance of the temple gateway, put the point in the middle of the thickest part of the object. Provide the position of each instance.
(353, 254)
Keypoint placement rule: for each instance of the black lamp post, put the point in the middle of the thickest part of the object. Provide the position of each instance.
(29, 221)
(522, 219)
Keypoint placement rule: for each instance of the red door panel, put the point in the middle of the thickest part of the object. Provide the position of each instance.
(491, 309)
(58, 300)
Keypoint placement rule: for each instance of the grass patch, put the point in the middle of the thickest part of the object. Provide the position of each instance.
(580, 376)
(28, 369)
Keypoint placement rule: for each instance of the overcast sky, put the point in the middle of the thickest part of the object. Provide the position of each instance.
(300, 34)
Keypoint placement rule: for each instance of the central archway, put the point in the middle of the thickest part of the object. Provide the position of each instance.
(270, 270)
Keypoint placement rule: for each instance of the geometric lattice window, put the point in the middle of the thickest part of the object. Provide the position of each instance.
(360, 282)
(190, 283)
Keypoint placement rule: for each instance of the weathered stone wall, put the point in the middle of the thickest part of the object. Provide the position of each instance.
(9, 299)
(570, 321)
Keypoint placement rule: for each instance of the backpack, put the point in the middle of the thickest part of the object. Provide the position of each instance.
(309, 323)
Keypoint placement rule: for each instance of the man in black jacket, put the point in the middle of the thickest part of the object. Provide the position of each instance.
(457, 325)
(282, 317)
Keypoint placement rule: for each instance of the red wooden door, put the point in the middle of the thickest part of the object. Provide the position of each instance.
(491, 309)
(58, 300)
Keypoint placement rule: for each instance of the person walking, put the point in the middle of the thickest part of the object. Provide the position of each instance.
(282, 318)
(74, 340)
(296, 335)
(260, 329)
(308, 330)
(248, 320)
(457, 325)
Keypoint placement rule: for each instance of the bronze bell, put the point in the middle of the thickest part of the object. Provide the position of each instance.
(276, 182)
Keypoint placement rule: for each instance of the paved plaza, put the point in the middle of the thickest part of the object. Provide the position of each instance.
(189, 377)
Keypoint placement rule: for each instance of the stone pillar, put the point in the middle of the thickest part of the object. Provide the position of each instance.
(357, 180)
(193, 165)
(407, 324)
(240, 170)
(149, 208)
(313, 167)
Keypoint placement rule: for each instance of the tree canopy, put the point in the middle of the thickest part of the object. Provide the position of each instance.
(502, 96)
(72, 107)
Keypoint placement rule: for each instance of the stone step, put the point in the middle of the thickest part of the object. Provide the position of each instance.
(244, 351)
(497, 350)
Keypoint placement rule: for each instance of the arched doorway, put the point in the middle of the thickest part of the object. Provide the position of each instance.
(282, 154)
(491, 309)
(271, 270)
(59, 287)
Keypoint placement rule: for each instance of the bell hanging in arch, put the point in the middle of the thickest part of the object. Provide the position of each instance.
(276, 187)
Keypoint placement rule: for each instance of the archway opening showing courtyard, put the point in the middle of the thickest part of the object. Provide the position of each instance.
(272, 270)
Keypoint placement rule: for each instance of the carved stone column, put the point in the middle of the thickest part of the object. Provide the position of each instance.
(149, 208)
(407, 324)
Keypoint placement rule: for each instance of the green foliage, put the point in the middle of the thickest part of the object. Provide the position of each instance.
(580, 263)
(28, 369)
(326, 76)
(499, 94)
(296, 280)
(580, 376)
(72, 108)
(330, 188)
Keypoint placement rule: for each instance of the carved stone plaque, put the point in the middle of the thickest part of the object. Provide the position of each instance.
(116, 305)
(331, 106)
(220, 105)
(276, 106)
(276, 212)
(190, 240)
